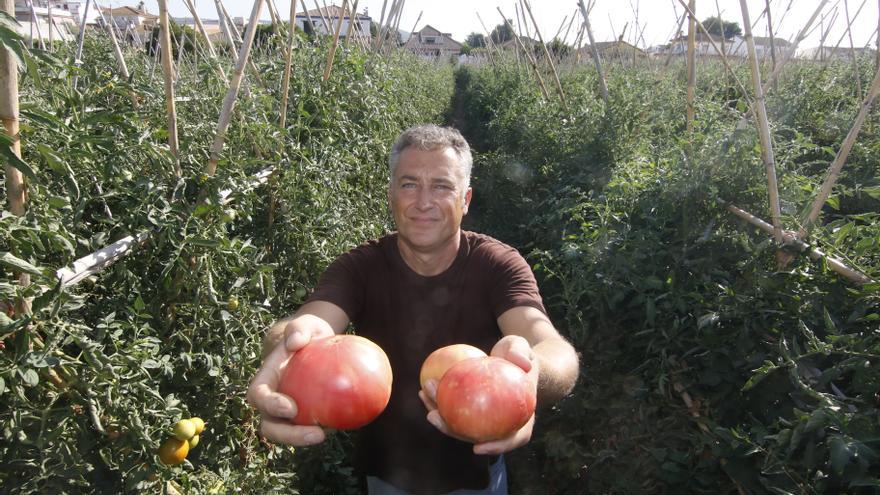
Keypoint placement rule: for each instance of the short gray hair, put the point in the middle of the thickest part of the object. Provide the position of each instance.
(429, 137)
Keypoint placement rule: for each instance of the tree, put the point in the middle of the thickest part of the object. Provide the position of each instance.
(502, 33)
(476, 40)
(466, 48)
(715, 25)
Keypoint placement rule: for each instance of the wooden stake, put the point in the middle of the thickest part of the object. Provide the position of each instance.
(763, 127)
(288, 63)
(678, 30)
(691, 69)
(201, 27)
(81, 36)
(790, 240)
(529, 56)
(595, 52)
(273, 12)
(770, 31)
(840, 159)
(234, 85)
(308, 16)
(16, 187)
(332, 52)
(852, 52)
(168, 70)
(547, 54)
(352, 20)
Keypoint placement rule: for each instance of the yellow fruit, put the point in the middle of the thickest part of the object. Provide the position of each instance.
(184, 429)
(232, 303)
(193, 441)
(200, 424)
(173, 451)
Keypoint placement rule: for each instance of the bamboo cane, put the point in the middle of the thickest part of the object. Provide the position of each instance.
(201, 27)
(559, 31)
(51, 34)
(117, 52)
(718, 50)
(522, 11)
(273, 12)
(16, 187)
(848, 27)
(288, 64)
(770, 32)
(37, 23)
(386, 28)
(352, 19)
(324, 20)
(81, 36)
(763, 127)
(529, 56)
(790, 240)
(852, 52)
(168, 70)
(393, 41)
(232, 93)
(877, 39)
(723, 36)
(691, 69)
(840, 159)
(381, 21)
(332, 52)
(491, 48)
(416, 24)
(570, 22)
(234, 33)
(547, 54)
(595, 51)
(678, 30)
(308, 16)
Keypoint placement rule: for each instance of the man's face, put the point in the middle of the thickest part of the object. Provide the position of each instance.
(427, 197)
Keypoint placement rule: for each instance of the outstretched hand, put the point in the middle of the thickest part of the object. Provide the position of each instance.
(516, 350)
(276, 409)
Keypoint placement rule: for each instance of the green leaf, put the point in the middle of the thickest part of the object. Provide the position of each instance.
(15, 263)
(2, 385)
(834, 202)
(840, 454)
(139, 304)
(829, 322)
(15, 161)
(759, 374)
(30, 377)
(9, 38)
(62, 168)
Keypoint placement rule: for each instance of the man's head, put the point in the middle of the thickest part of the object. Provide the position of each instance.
(428, 192)
(431, 137)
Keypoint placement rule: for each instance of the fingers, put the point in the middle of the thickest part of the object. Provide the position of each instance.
(515, 349)
(518, 439)
(283, 431)
(429, 394)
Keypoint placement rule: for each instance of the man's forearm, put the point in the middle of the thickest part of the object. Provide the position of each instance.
(559, 370)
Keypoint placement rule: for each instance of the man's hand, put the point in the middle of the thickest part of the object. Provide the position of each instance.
(516, 350)
(276, 409)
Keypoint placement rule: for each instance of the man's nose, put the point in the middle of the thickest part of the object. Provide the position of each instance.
(424, 199)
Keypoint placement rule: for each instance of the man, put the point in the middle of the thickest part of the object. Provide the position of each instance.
(426, 286)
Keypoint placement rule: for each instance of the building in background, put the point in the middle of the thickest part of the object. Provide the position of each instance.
(35, 17)
(324, 20)
(132, 23)
(430, 42)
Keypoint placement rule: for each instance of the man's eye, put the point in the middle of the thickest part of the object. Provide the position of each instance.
(408, 185)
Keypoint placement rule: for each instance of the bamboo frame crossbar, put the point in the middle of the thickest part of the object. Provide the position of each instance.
(789, 239)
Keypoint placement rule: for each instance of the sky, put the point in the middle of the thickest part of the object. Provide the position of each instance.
(657, 19)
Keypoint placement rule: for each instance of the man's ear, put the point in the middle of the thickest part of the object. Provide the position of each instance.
(467, 200)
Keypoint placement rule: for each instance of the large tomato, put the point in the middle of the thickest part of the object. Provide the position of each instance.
(485, 399)
(340, 382)
(436, 364)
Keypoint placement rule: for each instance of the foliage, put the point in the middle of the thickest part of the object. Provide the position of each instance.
(95, 377)
(716, 26)
(476, 40)
(502, 32)
(666, 295)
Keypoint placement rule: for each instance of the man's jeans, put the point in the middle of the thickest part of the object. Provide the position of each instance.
(497, 483)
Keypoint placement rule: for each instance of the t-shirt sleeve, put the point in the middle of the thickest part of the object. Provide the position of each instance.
(513, 283)
(341, 284)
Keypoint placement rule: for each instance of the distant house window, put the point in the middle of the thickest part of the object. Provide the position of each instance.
(430, 40)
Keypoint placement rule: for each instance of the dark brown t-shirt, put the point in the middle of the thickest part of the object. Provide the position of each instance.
(409, 316)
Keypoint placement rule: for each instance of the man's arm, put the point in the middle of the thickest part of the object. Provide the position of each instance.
(313, 320)
(557, 360)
